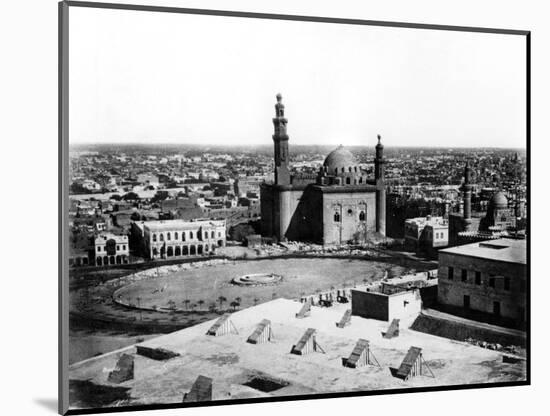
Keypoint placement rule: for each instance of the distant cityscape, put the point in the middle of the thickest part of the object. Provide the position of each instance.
(112, 186)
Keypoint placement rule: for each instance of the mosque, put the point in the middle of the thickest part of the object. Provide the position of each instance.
(499, 219)
(340, 204)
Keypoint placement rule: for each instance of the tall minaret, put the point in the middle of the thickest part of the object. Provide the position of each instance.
(280, 141)
(379, 163)
(467, 192)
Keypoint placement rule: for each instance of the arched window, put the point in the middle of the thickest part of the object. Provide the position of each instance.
(183, 236)
(191, 235)
(350, 168)
(212, 234)
(176, 235)
(335, 170)
(154, 238)
(168, 236)
(362, 216)
(161, 237)
(336, 217)
(343, 170)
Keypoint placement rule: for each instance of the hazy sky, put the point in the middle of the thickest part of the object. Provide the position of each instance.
(160, 77)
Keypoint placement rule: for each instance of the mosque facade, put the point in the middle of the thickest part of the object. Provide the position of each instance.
(338, 205)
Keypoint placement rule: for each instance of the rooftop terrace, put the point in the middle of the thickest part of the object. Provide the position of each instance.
(240, 369)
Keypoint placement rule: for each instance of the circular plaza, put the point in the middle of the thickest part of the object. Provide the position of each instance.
(240, 284)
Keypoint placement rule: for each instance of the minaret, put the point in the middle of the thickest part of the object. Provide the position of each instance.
(379, 163)
(467, 192)
(280, 141)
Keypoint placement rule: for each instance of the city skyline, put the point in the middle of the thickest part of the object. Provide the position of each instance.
(131, 80)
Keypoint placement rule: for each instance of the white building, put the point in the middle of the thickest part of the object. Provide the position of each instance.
(427, 232)
(111, 249)
(177, 238)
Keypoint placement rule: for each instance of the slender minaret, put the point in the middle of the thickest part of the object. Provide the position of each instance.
(379, 163)
(280, 141)
(467, 192)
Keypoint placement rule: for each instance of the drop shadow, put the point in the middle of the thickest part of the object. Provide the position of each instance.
(48, 404)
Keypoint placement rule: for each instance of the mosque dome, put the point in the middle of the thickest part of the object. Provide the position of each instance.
(498, 200)
(338, 159)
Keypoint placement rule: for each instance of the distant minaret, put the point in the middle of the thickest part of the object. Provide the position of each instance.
(280, 141)
(467, 192)
(379, 163)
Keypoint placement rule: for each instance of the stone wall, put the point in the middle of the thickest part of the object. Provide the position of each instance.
(482, 295)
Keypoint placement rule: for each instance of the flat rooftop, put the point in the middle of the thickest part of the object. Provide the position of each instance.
(235, 365)
(172, 224)
(502, 249)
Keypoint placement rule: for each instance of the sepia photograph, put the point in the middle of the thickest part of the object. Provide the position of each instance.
(267, 207)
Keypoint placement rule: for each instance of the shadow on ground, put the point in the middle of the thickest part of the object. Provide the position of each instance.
(86, 394)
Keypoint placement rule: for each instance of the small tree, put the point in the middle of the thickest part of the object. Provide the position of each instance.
(222, 299)
(234, 305)
(186, 302)
(200, 303)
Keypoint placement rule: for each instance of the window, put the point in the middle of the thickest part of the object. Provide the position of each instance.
(348, 180)
(350, 211)
(336, 217)
(212, 234)
(117, 247)
(98, 248)
(450, 273)
(183, 236)
(191, 235)
(161, 237)
(154, 237)
(496, 308)
(168, 236)
(467, 301)
(176, 235)
(506, 283)
(464, 276)
(491, 282)
(219, 233)
(362, 216)
(478, 278)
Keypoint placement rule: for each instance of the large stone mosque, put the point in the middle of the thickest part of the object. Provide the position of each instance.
(339, 204)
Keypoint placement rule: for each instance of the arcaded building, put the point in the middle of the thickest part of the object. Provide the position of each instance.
(338, 205)
(178, 238)
(488, 277)
(111, 249)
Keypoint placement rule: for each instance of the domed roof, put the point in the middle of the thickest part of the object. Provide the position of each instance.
(499, 200)
(340, 158)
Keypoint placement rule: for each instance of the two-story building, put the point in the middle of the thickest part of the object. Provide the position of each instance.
(177, 238)
(488, 277)
(427, 234)
(111, 249)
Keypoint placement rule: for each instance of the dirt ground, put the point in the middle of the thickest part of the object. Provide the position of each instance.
(89, 343)
(300, 277)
